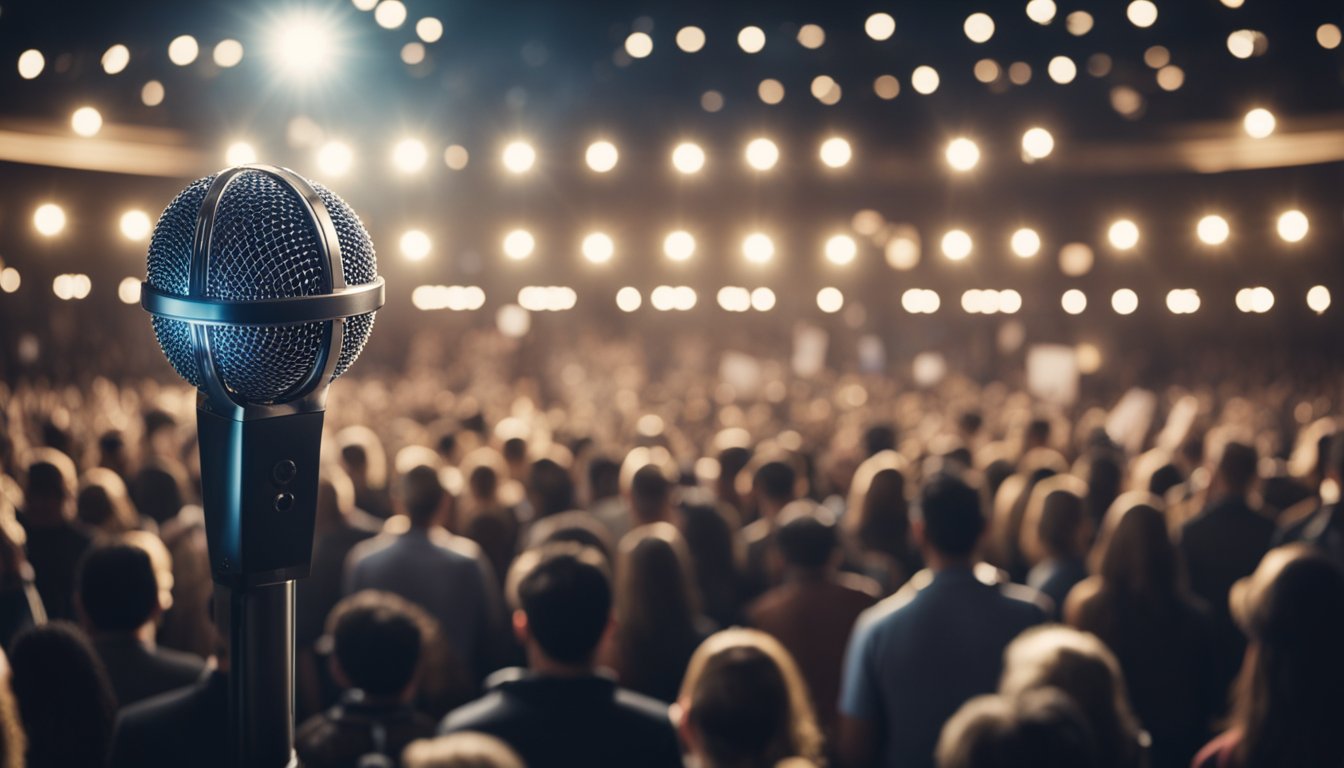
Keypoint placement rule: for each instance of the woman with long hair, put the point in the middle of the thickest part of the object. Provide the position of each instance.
(877, 521)
(1136, 602)
(65, 700)
(1287, 708)
(744, 704)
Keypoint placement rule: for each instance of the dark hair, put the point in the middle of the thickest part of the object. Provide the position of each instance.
(1336, 454)
(157, 492)
(884, 515)
(807, 537)
(604, 477)
(775, 481)
(1165, 478)
(514, 449)
(484, 482)
(565, 591)
(953, 518)
(1238, 465)
(46, 479)
(422, 494)
(1103, 483)
(708, 530)
(879, 438)
(740, 708)
(970, 422)
(1134, 555)
(649, 492)
(376, 642)
(65, 700)
(551, 487)
(1037, 431)
(118, 590)
(577, 527)
(1061, 517)
(1041, 728)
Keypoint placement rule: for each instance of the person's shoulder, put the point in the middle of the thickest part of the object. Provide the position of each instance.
(1080, 599)
(642, 709)
(478, 715)
(1219, 752)
(371, 547)
(156, 711)
(857, 587)
(1028, 604)
(891, 610)
(188, 664)
(460, 547)
(757, 531)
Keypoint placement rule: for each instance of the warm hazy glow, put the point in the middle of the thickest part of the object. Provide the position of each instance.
(1041, 11)
(1293, 226)
(86, 121)
(841, 250)
(887, 87)
(811, 36)
(1088, 357)
(429, 29)
(979, 27)
(10, 279)
(240, 153)
(128, 290)
(335, 158)
(688, 158)
(1183, 301)
(390, 14)
(71, 286)
(1170, 78)
(826, 90)
(762, 154)
(1142, 13)
(1073, 301)
(987, 70)
(413, 53)
(1037, 143)
(690, 40)
(924, 79)
(962, 154)
(1123, 234)
(458, 298)
(519, 244)
(228, 53)
(31, 63)
(183, 50)
(152, 94)
(957, 245)
(49, 219)
(830, 300)
(679, 245)
(1075, 259)
(1328, 36)
(751, 39)
(601, 156)
(1259, 123)
(771, 91)
(638, 45)
(835, 152)
(1026, 243)
(1062, 70)
(302, 44)
(629, 299)
(902, 250)
(1124, 301)
(1078, 23)
(762, 299)
(410, 155)
(519, 157)
(1318, 299)
(758, 248)
(734, 298)
(598, 248)
(1242, 43)
(1213, 230)
(135, 225)
(116, 58)
(880, 26)
(415, 245)
(920, 301)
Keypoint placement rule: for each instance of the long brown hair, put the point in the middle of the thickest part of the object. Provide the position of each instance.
(1134, 555)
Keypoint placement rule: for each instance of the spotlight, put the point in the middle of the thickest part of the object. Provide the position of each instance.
(690, 39)
(924, 80)
(762, 154)
(303, 44)
(429, 29)
(1123, 234)
(688, 158)
(228, 54)
(751, 39)
(1075, 259)
(734, 298)
(1258, 123)
(410, 155)
(979, 27)
(841, 250)
(1041, 11)
(957, 245)
(183, 50)
(1062, 70)
(762, 299)
(679, 245)
(638, 45)
(902, 249)
(1124, 301)
(836, 152)
(1262, 300)
(962, 154)
(628, 299)
(519, 157)
(116, 58)
(135, 225)
(1293, 226)
(826, 90)
(811, 36)
(598, 248)
(880, 26)
(1025, 243)
(1183, 301)
(415, 245)
(31, 63)
(10, 280)
(86, 121)
(128, 290)
(390, 14)
(1037, 143)
(1142, 13)
(601, 156)
(1318, 299)
(519, 244)
(1073, 301)
(1213, 230)
(49, 219)
(240, 153)
(335, 158)
(758, 248)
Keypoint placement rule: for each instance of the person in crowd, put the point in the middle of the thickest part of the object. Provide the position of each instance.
(484, 517)
(1136, 603)
(376, 656)
(13, 742)
(20, 603)
(650, 496)
(56, 540)
(1041, 728)
(657, 613)
(773, 486)
(1004, 540)
(577, 526)
(103, 504)
(114, 454)
(918, 655)
(812, 613)
(158, 490)
(1223, 543)
(119, 602)
(604, 488)
(744, 704)
(550, 489)
(1056, 533)
(708, 528)
(365, 462)
(338, 527)
(731, 460)
(65, 702)
(1081, 667)
(1103, 475)
(446, 575)
(1324, 528)
(560, 712)
(461, 750)
(877, 521)
(1287, 707)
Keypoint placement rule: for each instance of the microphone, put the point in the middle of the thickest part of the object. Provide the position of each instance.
(263, 288)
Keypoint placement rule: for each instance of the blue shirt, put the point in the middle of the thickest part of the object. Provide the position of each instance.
(917, 656)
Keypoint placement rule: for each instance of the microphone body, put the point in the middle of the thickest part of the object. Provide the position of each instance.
(262, 286)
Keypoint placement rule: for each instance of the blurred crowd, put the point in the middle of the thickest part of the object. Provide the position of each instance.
(618, 555)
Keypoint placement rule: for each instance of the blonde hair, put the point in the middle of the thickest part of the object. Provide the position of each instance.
(466, 749)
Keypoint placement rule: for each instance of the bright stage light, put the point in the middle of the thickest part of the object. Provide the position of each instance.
(811, 36)
(1076, 259)
(920, 301)
(152, 94)
(601, 156)
(1142, 13)
(1041, 11)
(410, 155)
(1037, 143)
(880, 26)
(830, 300)
(638, 45)
(116, 58)
(135, 225)
(1062, 70)
(1258, 123)
(519, 244)
(841, 250)
(183, 50)
(1088, 358)
(690, 39)
(1293, 226)
(679, 245)
(228, 54)
(415, 245)
(1244, 300)
(987, 71)
(962, 154)
(598, 248)
(1123, 234)
(519, 157)
(1261, 300)
(31, 63)
(1244, 43)
(758, 248)
(835, 152)
(456, 157)
(70, 287)
(979, 27)
(762, 299)
(1010, 302)
(302, 44)
(1318, 299)
(1078, 23)
(1124, 301)
(770, 91)
(887, 87)
(924, 80)
(957, 245)
(86, 121)
(1213, 230)
(335, 158)
(1182, 301)
(628, 299)
(762, 154)
(1025, 243)
(10, 280)
(240, 153)
(902, 249)
(128, 290)
(734, 298)
(49, 219)
(390, 14)
(826, 90)
(429, 29)
(751, 39)
(1073, 301)
(1329, 36)
(688, 158)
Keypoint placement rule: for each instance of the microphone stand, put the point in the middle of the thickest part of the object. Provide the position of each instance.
(261, 675)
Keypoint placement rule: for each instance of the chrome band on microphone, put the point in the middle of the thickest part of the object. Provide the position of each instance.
(291, 310)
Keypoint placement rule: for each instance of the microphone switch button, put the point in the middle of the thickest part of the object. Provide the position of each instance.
(284, 502)
(284, 472)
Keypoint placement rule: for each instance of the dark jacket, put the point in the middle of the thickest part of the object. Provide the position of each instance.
(184, 727)
(138, 671)
(339, 737)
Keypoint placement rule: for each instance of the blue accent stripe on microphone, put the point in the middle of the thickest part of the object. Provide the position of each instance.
(291, 310)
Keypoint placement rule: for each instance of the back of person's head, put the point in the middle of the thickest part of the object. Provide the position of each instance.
(1287, 701)
(514, 450)
(1335, 462)
(158, 491)
(465, 749)
(1079, 665)
(1041, 728)
(65, 700)
(577, 527)
(650, 492)
(879, 513)
(1237, 466)
(952, 517)
(118, 590)
(1104, 476)
(103, 501)
(564, 590)
(376, 642)
(1134, 554)
(745, 703)
(655, 588)
(604, 477)
(1037, 433)
(732, 460)
(775, 481)
(51, 476)
(422, 494)
(13, 741)
(878, 438)
(970, 422)
(550, 488)
(363, 457)
(483, 483)
(1061, 520)
(807, 536)
(1165, 478)
(335, 496)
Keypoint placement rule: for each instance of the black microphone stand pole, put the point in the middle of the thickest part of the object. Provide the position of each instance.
(261, 674)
